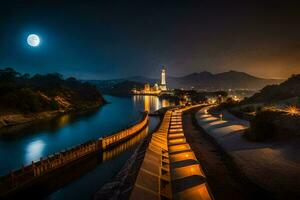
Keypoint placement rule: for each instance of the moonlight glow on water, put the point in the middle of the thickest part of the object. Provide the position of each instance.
(33, 40)
(45, 138)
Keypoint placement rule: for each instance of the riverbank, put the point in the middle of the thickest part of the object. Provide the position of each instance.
(10, 120)
(273, 166)
(29, 142)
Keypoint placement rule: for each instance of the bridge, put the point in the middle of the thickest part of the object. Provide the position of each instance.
(19, 180)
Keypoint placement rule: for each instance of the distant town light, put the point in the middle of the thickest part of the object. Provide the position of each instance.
(221, 116)
(212, 100)
(235, 98)
(156, 89)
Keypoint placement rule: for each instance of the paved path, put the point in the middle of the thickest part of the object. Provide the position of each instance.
(274, 166)
(213, 165)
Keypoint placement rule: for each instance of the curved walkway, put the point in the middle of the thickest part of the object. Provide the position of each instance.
(170, 169)
(275, 166)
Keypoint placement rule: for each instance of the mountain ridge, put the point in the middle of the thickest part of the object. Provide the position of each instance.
(290, 88)
(205, 81)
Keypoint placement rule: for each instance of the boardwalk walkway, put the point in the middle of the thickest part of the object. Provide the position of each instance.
(170, 169)
(275, 166)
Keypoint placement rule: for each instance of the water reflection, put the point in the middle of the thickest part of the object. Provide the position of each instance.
(70, 129)
(50, 126)
(32, 141)
(165, 103)
(151, 103)
(101, 170)
(124, 146)
(147, 104)
(34, 150)
(63, 120)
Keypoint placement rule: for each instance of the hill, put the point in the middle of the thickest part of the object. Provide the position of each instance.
(203, 81)
(221, 81)
(22, 93)
(274, 93)
(121, 88)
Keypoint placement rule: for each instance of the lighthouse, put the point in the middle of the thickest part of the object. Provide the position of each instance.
(163, 84)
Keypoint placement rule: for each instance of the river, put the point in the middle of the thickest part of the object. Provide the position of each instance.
(23, 145)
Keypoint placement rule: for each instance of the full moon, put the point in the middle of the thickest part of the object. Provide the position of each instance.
(33, 40)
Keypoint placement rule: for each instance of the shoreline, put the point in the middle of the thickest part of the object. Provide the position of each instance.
(15, 120)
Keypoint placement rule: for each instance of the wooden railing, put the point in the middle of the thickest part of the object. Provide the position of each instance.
(124, 134)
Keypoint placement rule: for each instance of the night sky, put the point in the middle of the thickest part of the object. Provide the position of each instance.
(103, 40)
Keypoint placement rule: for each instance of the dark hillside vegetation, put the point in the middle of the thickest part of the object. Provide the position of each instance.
(22, 93)
(273, 93)
(123, 88)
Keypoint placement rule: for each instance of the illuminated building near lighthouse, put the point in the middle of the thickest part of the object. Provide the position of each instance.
(163, 84)
(156, 89)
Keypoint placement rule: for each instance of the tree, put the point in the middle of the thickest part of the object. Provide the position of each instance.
(8, 75)
(23, 93)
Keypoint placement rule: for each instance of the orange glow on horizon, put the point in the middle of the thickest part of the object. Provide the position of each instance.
(292, 110)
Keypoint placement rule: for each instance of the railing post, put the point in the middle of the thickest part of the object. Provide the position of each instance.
(12, 178)
(33, 167)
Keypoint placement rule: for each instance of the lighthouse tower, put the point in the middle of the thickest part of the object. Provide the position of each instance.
(163, 84)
